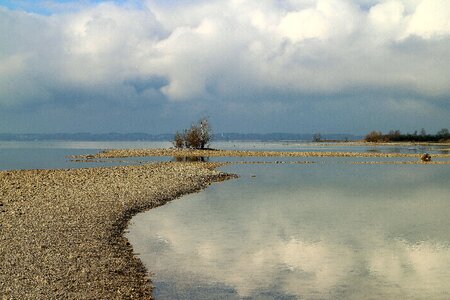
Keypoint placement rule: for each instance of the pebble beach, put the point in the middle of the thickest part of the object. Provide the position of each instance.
(121, 153)
(61, 231)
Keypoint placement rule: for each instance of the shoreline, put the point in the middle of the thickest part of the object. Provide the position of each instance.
(122, 153)
(61, 231)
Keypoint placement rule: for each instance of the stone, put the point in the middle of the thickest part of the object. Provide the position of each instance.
(425, 157)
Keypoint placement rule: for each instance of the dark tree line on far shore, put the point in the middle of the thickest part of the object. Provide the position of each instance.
(442, 135)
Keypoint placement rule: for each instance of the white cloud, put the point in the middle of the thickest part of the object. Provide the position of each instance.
(305, 24)
(430, 19)
(386, 18)
(226, 48)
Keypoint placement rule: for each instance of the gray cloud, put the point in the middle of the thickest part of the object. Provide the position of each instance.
(234, 57)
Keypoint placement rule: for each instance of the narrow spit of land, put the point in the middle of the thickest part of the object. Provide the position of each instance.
(61, 231)
(121, 153)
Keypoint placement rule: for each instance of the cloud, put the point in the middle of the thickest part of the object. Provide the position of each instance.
(225, 50)
(430, 19)
(323, 21)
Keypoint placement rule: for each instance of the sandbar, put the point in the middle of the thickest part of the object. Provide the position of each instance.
(121, 153)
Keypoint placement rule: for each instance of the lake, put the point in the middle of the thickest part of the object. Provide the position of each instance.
(53, 154)
(327, 229)
(332, 230)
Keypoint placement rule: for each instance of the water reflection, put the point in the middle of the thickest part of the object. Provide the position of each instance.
(190, 159)
(304, 231)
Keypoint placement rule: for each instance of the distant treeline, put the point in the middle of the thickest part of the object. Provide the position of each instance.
(114, 136)
(442, 135)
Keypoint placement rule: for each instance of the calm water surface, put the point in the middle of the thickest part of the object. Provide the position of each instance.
(53, 154)
(313, 231)
(328, 230)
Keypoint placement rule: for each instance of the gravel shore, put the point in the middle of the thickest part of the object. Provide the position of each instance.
(61, 230)
(121, 153)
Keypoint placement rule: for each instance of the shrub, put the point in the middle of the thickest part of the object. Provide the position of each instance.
(196, 137)
(374, 137)
(178, 140)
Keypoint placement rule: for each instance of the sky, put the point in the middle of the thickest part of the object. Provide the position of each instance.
(299, 66)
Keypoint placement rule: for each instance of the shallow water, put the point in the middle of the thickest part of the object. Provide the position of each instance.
(310, 231)
(335, 147)
(53, 154)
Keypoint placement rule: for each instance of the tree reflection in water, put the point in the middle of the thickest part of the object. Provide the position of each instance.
(190, 159)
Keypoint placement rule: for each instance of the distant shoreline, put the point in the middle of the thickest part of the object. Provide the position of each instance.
(168, 137)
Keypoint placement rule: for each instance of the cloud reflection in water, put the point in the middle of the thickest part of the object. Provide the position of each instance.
(304, 231)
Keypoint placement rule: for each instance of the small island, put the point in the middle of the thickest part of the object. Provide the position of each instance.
(442, 136)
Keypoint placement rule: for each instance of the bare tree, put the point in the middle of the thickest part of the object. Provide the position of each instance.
(423, 132)
(443, 132)
(196, 137)
(205, 132)
(317, 137)
(179, 140)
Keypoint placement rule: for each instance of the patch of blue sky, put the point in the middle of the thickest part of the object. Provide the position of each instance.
(49, 7)
(9, 4)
